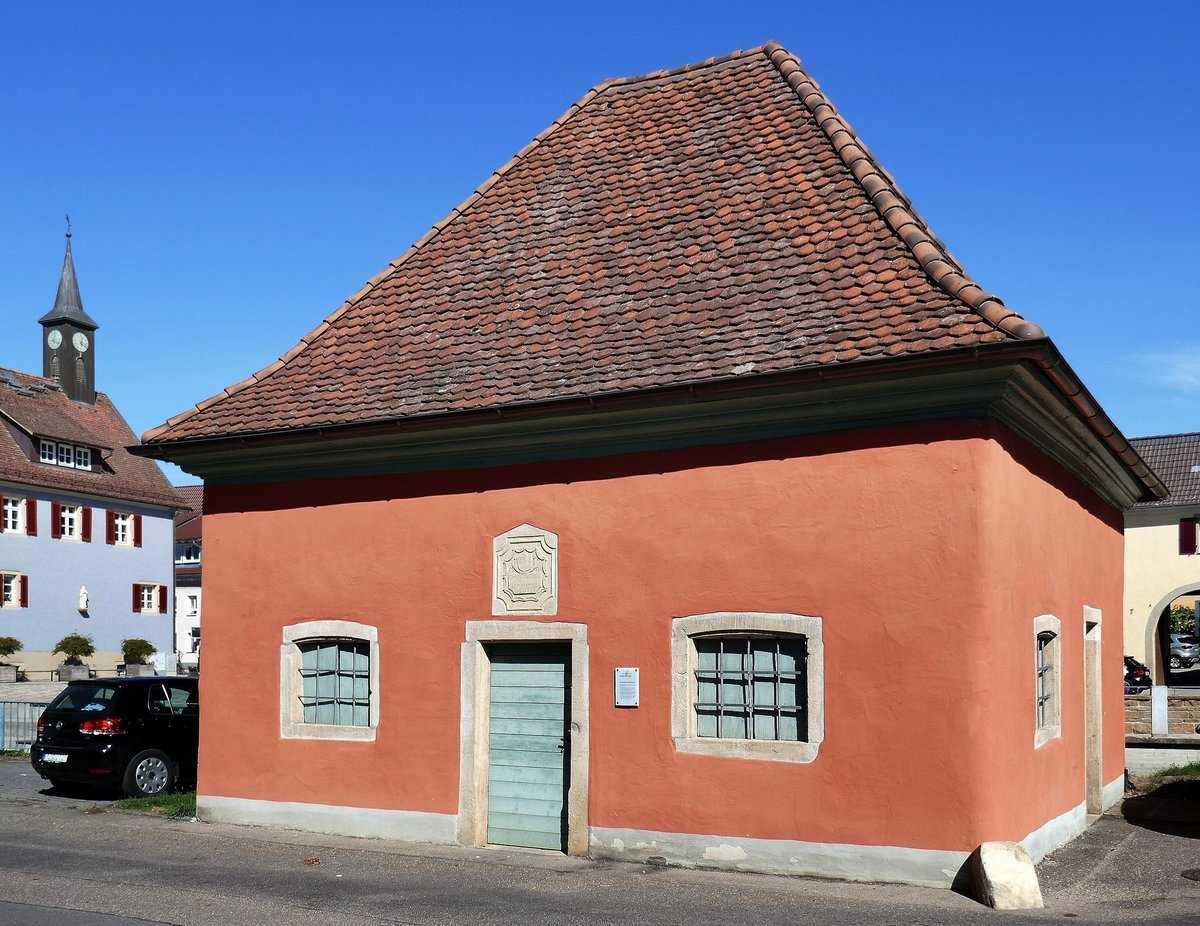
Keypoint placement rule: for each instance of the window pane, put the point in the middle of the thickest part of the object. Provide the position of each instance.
(757, 692)
(335, 682)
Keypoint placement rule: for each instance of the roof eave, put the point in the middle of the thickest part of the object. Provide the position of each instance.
(1041, 355)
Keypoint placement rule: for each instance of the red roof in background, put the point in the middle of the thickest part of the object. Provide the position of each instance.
(39, 408)
(188, 523)
(720, 220)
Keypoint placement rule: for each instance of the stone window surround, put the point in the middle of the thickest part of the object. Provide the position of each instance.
(683, 683)
(1052, 728)
(291, 711)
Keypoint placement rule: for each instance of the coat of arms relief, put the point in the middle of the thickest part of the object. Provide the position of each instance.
(525, 572)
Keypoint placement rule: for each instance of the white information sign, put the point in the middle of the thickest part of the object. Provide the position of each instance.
(628, 687)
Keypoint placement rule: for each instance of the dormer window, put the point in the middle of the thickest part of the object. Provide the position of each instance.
(58, 453)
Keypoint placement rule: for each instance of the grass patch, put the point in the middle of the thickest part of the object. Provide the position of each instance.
(1191, 770)
(178, 806)
(14, 753)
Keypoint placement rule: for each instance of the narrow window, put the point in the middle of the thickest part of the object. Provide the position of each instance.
(122, 533)
(68, 522)
(83, 458)
(12, 517)
(149, 599)
(14, 590)
(47, 451)
(1047, 679)
(66, 455)
(1044, 669)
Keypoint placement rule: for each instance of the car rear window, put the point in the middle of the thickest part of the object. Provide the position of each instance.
(84, 698)
(1188, 639)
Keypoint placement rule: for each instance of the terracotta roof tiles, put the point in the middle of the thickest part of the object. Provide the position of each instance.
(713, 221)
(1176, 460)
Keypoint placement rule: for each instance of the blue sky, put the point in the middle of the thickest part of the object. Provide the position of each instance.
(235, 170)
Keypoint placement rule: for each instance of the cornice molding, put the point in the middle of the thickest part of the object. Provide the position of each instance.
(1010, 391)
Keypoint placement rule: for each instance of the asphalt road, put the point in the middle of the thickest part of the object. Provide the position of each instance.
(72, 860)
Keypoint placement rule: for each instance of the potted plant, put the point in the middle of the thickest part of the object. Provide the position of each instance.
(76, 648)
(136, 651)
(8, 646)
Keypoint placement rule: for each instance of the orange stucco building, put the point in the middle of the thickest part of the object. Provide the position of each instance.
(676, 497)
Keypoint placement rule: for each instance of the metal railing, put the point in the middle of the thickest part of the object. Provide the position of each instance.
(18, 724)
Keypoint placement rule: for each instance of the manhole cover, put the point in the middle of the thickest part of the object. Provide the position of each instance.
(1192, 874)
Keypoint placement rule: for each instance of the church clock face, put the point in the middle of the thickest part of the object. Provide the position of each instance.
(80, 341)
(53, 339)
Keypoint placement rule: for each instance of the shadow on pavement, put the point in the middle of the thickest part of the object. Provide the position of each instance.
(1173, 809)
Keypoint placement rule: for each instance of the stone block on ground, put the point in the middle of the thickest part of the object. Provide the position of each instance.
(1003, 877)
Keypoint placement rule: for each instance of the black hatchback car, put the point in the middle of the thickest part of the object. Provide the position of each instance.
(137, 733)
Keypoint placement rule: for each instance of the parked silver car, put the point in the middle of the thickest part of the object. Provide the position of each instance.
(1185, 650)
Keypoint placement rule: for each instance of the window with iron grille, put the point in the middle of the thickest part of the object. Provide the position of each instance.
(748, 684)
(335, 683)
(329, 680)
(750, 688)
(1047, 679)
(1044, 668)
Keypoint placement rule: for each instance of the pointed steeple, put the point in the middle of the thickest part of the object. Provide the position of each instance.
(68, 306)
(69, 337)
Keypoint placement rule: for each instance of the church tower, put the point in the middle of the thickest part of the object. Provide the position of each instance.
(69, 338)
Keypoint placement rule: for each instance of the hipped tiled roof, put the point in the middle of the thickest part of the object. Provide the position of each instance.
(37, 407)
(1172, 457)
(716, 221)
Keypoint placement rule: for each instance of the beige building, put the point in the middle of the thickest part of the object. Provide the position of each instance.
(1162, 556)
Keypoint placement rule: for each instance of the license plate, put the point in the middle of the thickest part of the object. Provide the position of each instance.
(55, 758)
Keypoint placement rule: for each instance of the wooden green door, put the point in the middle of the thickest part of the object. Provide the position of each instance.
(528, 745)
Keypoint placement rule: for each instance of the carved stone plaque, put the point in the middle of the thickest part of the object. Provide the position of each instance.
(525, 572)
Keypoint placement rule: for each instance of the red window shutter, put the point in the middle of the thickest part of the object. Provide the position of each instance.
(110, 526)
(55, 520)
(24, 591)
(137, 530)
(137, 597)
(1, 513)
(87, 524)
(1187, 536)
(31, 517)
(162, 599)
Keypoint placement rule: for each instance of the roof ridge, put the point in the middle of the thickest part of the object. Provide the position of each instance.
(893, 206)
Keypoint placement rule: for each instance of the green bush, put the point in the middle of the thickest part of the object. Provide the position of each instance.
(76, 647)
(8, 646)
(136, 651)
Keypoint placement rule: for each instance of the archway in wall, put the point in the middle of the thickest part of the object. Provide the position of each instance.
(1177, 643)
(1158, 639)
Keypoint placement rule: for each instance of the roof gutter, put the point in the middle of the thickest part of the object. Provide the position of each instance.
(1041, 353)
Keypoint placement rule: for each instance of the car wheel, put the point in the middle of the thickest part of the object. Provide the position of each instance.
(1175, 662)
(149, 773)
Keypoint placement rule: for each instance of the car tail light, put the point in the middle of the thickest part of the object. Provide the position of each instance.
(102, 726)
(41, 725)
